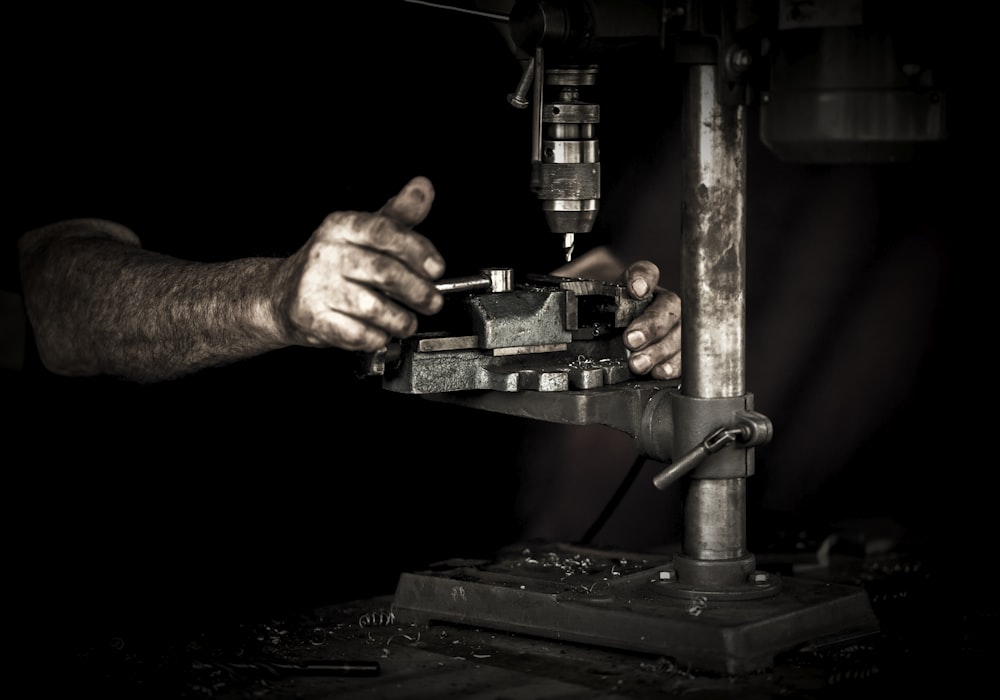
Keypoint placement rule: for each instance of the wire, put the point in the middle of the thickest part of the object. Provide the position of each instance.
(441, 6)
(615, 500)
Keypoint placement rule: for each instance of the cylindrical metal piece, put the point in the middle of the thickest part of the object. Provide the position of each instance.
(679, 467)
(718, 528)
(464, 284)
(538, 100)
(492, 279)
(501, 278)
(713, 254)
(713, 287)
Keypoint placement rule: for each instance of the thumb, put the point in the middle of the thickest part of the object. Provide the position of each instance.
(641, 278)
(412, 204)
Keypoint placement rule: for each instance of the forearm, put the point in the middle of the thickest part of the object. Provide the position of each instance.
(100, 304)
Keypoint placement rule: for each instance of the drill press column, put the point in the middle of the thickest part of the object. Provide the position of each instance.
(713, 277)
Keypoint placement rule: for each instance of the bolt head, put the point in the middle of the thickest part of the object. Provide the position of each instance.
(518, 102)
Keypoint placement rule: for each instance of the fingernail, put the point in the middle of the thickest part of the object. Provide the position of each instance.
(635, 339)
(640, 288)
(435, 302)
(416, 193)
(668, 369)
(641, 363)
(433, 267)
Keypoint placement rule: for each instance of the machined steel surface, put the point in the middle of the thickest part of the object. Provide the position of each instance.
(713, 289)
(713, 244)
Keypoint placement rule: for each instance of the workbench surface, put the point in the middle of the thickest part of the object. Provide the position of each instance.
(935, 633)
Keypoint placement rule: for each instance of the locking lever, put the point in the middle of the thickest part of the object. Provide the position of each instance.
(751, 429)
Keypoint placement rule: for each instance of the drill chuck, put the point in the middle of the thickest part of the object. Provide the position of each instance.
(568, 176)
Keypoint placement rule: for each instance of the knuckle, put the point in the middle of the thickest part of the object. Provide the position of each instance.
(380, 227)
(336, 222)
(385, 269)
(354, 334)
(366, 303)
(355, 337)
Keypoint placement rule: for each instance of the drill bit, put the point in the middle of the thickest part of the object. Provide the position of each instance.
(568, 245)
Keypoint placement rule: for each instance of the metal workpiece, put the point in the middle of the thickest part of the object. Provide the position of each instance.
(713, 245)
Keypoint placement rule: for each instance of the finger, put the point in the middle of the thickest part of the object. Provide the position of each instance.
(377, 310)
(396, 279)
(659, 319)
(349, 333)
(661, 360)
(348, 315)
(412, 204)
(641, 278)
(655, 338)
(385, 235)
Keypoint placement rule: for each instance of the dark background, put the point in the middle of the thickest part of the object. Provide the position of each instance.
(285, 481)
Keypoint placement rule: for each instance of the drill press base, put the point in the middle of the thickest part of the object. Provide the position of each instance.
(615, 599)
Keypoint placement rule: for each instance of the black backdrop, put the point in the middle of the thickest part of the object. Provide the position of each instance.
(284, 480)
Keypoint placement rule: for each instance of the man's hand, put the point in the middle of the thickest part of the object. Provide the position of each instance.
(99, 303)
(362, 277)
(654, 338)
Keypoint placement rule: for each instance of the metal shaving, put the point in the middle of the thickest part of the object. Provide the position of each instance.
(377, 618)
(584, 362)
(575, 564)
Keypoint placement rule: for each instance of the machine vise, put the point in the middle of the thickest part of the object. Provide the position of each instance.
(544, 334)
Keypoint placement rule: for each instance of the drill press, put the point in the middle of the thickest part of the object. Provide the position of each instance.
(708, 605)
